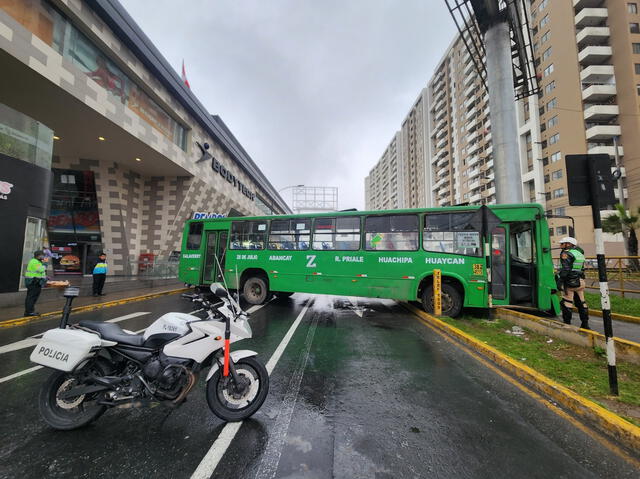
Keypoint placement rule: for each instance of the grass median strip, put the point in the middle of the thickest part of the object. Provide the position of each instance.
(581, 369)
(619, 305)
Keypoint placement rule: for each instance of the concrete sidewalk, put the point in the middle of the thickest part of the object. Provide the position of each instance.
(56, 301)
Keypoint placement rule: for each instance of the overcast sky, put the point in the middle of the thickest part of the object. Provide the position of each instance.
(313, 89)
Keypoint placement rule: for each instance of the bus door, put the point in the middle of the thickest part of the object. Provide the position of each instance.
(523, 269)
(499, 265)
(216, 247)
(513, 266)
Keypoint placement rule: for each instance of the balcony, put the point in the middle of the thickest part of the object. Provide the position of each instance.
(591, 17)
(472, 160)
(490, 191)
(580, 4)
(593, 36)
(490, 163)
(598, 93)
(606, 150)
(442, 143)
(469, 67)
(597, 74)
(601, 112)
(439, 95)
(594, 55)
(471, 89)
(603, 132)
(469, 102)
(617, 194)
(471, 113)
(475, 198)
(473, 136)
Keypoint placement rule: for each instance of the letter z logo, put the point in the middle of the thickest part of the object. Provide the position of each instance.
(311, 261)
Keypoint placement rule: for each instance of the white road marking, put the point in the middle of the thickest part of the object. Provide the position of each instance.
(15, 375)
(33, 340)
(354, 302)
(218, 448)
(273, 451)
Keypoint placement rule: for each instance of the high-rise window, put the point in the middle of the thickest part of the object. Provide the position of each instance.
(544, 21)
(554, 139)
(632, 7)
(634, 28)
(557, 156)
(545, 37)
(553, 121)
(552, 104)
(556, 175)
(637, 66)
(542, 5)
(550, 87)
(546, 54)
(636, 47)
(549, 70)
(559, 193)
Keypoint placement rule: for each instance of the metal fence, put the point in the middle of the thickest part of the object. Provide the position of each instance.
(622, 272)
(160, 269)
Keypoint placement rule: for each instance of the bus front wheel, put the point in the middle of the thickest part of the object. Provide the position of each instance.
(451, 300)
(255, 290)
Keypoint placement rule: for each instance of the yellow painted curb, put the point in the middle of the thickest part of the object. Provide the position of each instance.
(89, 307)
(618, 317)
(607, 422)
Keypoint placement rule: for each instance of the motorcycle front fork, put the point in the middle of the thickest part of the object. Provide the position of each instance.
(232, 369)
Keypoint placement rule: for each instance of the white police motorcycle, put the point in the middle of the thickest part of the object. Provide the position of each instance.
(99, 365)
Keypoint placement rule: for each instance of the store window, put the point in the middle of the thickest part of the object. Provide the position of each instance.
(35, 238)
(24, 138)
(44, 21)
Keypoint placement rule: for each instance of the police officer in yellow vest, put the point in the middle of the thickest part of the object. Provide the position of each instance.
(100, 274)
(34, 279)
(572, 279)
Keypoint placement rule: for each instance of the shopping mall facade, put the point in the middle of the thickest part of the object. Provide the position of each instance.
(102, 146)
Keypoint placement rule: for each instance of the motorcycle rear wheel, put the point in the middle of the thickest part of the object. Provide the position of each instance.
(230, 406)
(66, 414)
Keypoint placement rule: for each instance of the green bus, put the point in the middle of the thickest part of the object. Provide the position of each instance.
(488, 256)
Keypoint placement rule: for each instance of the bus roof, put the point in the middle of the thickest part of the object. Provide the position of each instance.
(331, 214)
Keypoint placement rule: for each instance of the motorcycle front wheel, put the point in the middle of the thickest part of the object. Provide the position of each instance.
(67, 413)
(232, 402)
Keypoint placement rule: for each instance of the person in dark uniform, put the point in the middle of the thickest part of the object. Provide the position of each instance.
(100, 274)
(35, 278)
(572, 281)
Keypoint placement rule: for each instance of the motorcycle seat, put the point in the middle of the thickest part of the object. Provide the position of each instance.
(112, 332)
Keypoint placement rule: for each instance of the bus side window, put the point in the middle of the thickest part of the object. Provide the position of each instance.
(451, 233)
(194, 237)
(248, 235)
(291, 234)
(341, 234)
(391, 233)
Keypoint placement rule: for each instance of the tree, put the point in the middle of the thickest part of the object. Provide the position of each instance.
(615, 223)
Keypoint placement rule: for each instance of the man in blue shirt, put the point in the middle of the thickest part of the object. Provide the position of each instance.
(100, 274)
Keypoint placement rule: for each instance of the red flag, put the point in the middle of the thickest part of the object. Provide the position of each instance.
(184, 76)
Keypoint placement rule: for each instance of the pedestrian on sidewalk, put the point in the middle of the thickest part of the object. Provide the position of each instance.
(100, 274)
(572, 281)
(35, 278)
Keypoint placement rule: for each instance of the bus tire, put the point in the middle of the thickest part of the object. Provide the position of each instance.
(451, 300)
(255, 290)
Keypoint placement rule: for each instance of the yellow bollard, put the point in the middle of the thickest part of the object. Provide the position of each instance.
(437, 292)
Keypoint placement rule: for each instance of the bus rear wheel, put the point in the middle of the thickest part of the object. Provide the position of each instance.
(451, 300)
(255, 290)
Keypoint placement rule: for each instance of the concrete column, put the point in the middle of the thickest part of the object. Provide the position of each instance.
(504, 129)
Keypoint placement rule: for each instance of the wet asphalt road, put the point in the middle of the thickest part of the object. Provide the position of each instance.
(377, 396)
